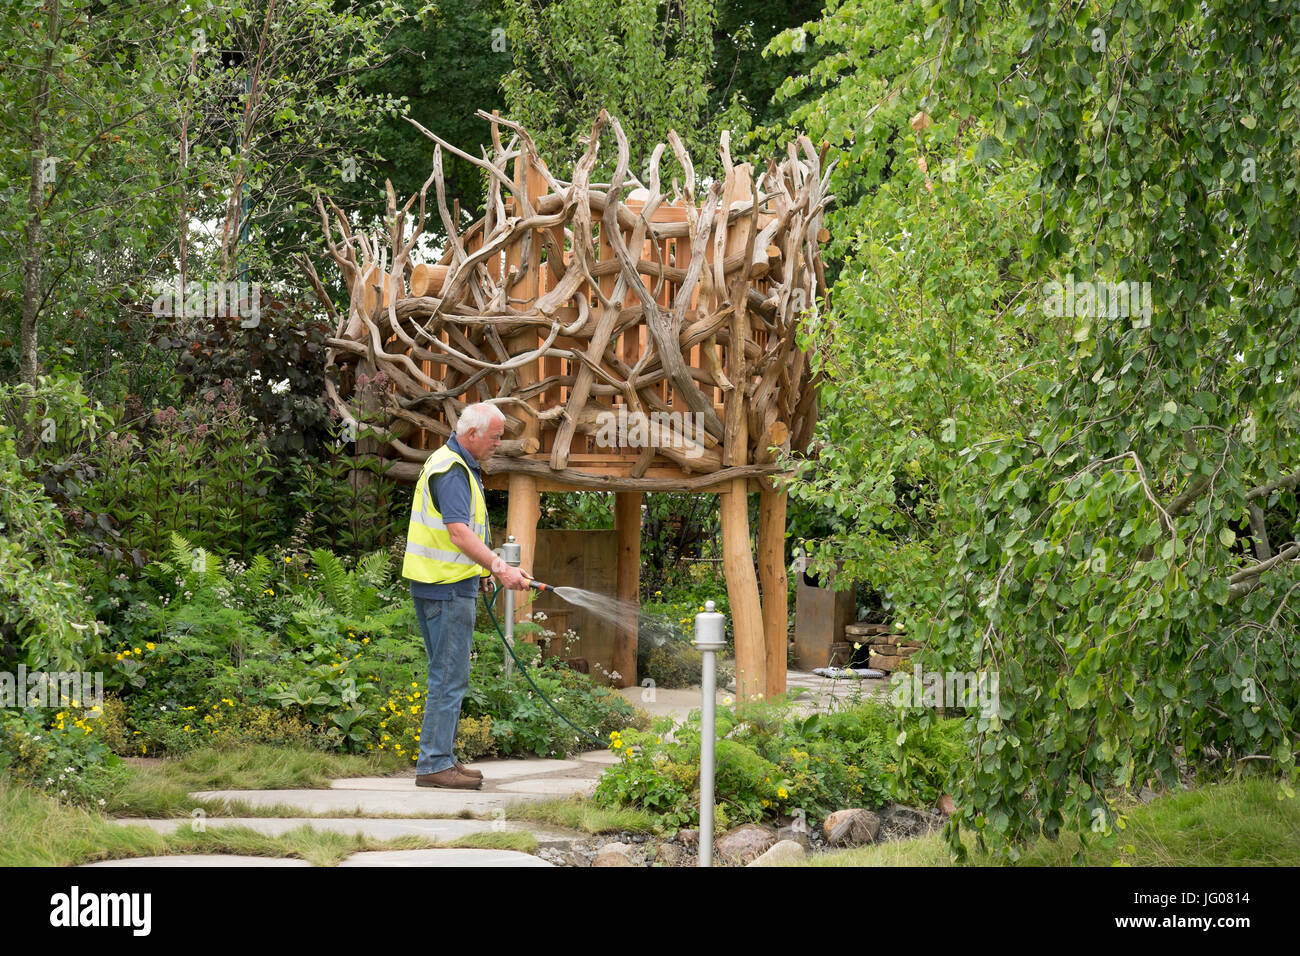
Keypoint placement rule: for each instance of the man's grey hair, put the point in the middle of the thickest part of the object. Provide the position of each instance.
(476, 418)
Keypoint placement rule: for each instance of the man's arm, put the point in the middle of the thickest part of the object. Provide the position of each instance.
(468, 543)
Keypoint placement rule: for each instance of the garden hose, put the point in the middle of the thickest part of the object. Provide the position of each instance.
(488, 604)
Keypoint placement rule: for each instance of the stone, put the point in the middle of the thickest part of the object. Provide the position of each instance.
(745, 842)
(865, 630)
(781, 853)
(669, 854)
(851, 828)
(614, 854)
(688, 837)
(791, 835)
(900, 822)
(885, 640)
(881, 663)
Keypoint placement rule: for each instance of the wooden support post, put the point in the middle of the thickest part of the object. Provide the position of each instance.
(742, 591)
(771, 572)
(737, 552)
(627, 526)
(525, 506)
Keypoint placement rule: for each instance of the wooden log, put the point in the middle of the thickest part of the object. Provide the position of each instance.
(596, 482)
(742, 590)
(772, 577)
(427, 280)
(738, 557)
(525, 501)
(627, 527)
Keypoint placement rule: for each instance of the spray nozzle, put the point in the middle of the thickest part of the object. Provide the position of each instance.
(539, 586)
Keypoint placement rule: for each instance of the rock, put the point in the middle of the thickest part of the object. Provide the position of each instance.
(791, 835)
(669, 854)
(781, 853)
(946, 805)
(688, 837)
(851, 828)
(900, 822)
(745, 842)
(880, 663)
(865, 630)
(614, 854)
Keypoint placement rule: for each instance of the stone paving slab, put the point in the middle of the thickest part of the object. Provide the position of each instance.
(495, 772)
(209, 859)
(448, 857)
(405, 801)
(379, 829)
(603, 757)
(555, 786)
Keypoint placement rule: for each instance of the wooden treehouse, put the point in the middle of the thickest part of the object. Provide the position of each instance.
(635, 342)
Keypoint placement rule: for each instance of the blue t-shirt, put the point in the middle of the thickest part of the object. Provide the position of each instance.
(451, 496)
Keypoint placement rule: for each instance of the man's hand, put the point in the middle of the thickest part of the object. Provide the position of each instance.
(512, 578)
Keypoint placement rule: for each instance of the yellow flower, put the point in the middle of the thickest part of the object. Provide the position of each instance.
(781, 792)
(287, 559)
(150, 645)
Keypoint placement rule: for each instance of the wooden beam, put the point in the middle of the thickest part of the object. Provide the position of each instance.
(525, 501)
(627, 526)
(772, 577)
(742, 591)
(738, 556)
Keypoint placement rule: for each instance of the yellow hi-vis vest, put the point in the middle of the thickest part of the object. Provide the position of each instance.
(431, 558)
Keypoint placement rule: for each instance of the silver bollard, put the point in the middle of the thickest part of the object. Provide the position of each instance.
(710, 637)
(511, 555)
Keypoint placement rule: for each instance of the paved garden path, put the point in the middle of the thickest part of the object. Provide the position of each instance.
(389, 807)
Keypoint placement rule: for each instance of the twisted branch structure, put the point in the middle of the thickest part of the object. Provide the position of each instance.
(636, 338)
(626, 334)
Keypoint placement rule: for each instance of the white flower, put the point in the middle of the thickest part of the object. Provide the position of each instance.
(49, 781)
(69, 770)
(103, 802)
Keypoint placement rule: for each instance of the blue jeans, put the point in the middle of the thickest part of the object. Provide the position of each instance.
(448, 628)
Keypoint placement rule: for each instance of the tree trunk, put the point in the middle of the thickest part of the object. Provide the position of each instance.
(33, 236)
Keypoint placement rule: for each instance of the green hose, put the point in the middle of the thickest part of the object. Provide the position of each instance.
(488, 604)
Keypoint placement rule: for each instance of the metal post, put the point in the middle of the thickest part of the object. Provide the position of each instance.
(710, 628)
(510, 553)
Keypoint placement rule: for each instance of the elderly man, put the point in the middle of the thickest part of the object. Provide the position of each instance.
(447, 557)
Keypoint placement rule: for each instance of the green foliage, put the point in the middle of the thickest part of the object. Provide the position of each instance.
(773, 761)
(647, 62)
(1060, 493)
(45, 620)
(303, 649)
(59, 752)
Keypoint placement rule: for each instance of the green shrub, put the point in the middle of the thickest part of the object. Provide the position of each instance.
(61, 753)
(300, 648)
(773, 762)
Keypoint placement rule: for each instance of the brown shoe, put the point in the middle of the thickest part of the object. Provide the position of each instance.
(476, 774)
(449, 779)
